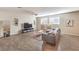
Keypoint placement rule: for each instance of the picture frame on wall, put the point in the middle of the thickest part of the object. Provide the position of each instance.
(16, 21)
(69, 23)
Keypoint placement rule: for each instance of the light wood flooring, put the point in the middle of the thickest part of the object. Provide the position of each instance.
(25, 42)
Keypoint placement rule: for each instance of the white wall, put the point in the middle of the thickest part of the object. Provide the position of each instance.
(8, 18)
(74, 30)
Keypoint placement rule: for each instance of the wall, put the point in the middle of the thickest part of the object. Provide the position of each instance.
(74, 30)
(38, 24)
(8, 18)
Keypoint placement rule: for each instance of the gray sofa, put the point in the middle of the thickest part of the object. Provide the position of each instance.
(52, 36)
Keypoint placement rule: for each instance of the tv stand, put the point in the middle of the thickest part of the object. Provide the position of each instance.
(27, 30)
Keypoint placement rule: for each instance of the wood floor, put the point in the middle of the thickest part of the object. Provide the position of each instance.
(25, 42)
(67, 43)
(20, 42)
(49, 47)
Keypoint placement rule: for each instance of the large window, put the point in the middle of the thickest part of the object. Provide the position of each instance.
(44, 20)
(54, 20)
(50, 20)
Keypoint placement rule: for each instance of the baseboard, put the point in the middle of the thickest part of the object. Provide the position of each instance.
(69, 34)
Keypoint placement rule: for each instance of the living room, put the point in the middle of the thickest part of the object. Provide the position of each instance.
(22, 28)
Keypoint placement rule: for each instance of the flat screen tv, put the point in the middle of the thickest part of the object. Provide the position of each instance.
(27, 25)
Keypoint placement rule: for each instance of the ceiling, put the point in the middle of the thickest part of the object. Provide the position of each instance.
(40, 11)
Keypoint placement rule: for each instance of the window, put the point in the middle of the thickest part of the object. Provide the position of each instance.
(44, 20)
(54, 20)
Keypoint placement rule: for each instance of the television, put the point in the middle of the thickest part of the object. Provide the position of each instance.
(27, 25)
